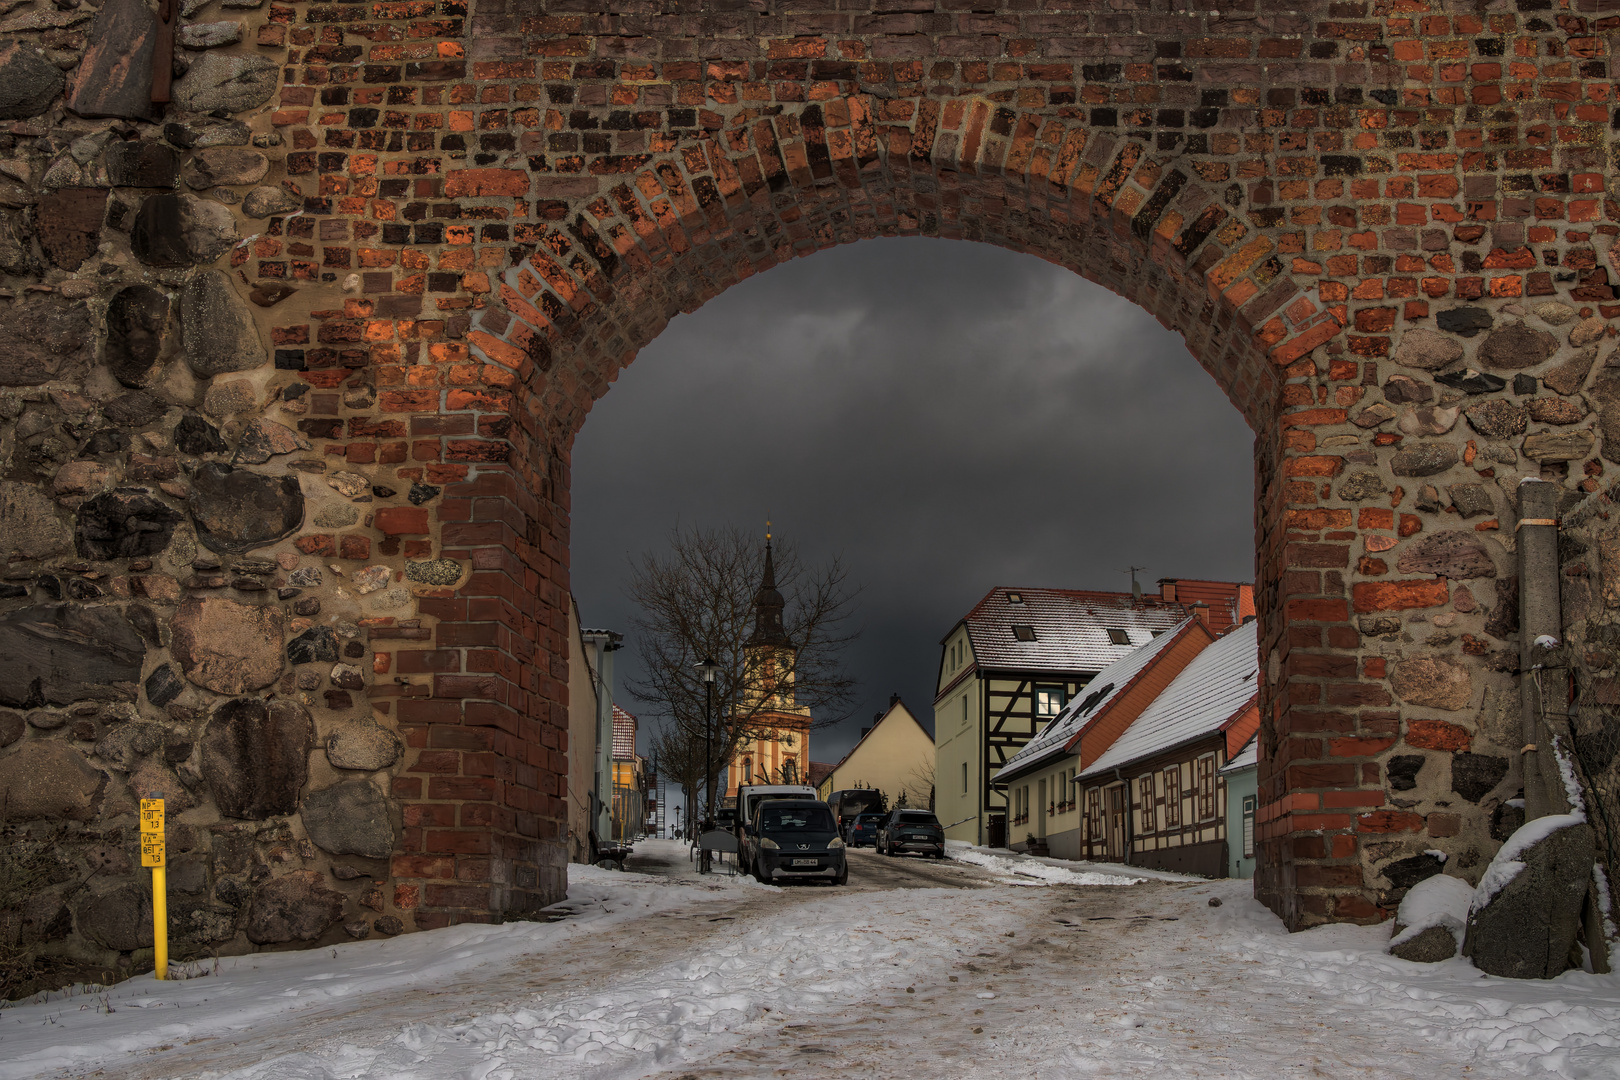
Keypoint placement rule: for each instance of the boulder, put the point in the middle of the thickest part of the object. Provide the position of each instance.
(1425, 460)
(31, 527)
(349, 819)
(237, 510)
(137, 319)
(144, 163)
(363, 746)
(317, 645)
(201, 132)
(119, 919)
(1404, 390)
(125, 745)
(1378, 412)
(255, 757)
(217, 329)
(232, 84)
(47, 339)
(1471, 500)
(293, 907)
(61, 653)
(1428, 420)
(1587, 331)
(1430, 922)
(29, 83)
(1570, 376)
(196, 436)
(225, 646)
(114, 77)
(1553, 312)
(224, 165)
(1470, 381)
(48, 779)
(1526, 912)
(163, 686)
(1558, 445)
(267, 201)
(1553, 410)
(1516, 345)
(1498, 418)
(68, 223)
(1359, 486)
(211, 35)
(127, 523)
(179, 229)
(1452, 554)
(1434, 682)
(448, 571)
(1424, 349)
(1464, 321)
(1407, 872)
(1474, 776)
(1402, 770)
(263, 439)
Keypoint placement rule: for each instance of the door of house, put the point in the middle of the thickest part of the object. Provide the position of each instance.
(998, 830)
(1116, 823)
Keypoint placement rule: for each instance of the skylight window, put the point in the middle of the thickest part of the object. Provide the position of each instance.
(1023, 633)
(1015, 598)
(1118, 637)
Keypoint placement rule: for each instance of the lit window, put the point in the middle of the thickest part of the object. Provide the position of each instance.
(1023, 633)
(1015, 598)
(1118, 637)
(1048, 701)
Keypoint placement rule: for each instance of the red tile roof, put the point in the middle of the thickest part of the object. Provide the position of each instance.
(819, 771)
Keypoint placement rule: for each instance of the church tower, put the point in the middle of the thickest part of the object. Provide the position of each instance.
(778, 749)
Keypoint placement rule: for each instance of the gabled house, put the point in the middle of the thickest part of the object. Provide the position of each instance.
(895, 756)
(1156, 797)
(1039, 778)
(629, 779)
(1130, 773)
(1019, 657)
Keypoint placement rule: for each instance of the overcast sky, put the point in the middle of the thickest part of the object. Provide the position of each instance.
(947, 416)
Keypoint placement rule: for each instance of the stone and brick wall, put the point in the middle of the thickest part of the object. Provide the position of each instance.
(295, 363)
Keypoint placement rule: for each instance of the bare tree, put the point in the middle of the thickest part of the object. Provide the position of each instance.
(920, 783)
(696, 601)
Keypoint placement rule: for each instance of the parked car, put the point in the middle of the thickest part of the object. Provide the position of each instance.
(794, 838)
(851, 803)
(749, 796)
(864, 829)
(911, 831)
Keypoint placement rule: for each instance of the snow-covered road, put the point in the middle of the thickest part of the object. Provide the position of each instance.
(1019, 971)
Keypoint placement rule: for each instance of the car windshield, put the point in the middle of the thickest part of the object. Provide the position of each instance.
(919, 818)
(866, 821)
(796, 819)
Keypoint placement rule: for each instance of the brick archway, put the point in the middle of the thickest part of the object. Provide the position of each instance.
(1253, 183)
(1349, 209)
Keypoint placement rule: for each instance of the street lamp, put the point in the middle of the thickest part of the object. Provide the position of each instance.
(706, 668)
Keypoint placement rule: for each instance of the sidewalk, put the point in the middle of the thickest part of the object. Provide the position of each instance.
(961, 849)
(674, 859)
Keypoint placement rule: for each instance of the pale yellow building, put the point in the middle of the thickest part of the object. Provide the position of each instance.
(895, 756)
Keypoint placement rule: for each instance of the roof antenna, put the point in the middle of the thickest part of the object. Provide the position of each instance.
(1136, 590)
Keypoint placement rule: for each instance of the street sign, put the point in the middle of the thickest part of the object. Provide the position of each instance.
(152, 850)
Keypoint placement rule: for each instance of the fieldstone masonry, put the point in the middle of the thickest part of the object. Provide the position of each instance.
(294, 363)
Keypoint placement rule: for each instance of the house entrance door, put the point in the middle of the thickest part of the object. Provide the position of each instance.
(1116, 823)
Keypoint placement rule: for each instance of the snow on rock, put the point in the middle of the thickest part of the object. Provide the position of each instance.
(1505, 865)
(1431, 920)
(1526, 913)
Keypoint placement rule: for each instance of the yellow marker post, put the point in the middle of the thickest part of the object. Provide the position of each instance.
(152, 851)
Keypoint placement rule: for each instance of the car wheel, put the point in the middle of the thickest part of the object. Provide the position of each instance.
(843, 876)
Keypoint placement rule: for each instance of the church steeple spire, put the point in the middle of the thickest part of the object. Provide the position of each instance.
(768, 604)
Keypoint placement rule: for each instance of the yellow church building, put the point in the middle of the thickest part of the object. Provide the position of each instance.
(776, 747)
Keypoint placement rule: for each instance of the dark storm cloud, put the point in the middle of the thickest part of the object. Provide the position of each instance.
(948, 416)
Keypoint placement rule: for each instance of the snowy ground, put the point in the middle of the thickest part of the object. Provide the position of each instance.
(1013, 970)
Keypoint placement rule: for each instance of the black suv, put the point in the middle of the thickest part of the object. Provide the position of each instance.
(794, 838)
(915, 831)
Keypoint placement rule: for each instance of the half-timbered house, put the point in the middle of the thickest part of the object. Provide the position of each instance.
(1156, 796)
(1018, 658)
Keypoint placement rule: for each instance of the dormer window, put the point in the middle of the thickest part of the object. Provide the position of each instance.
(1023, 633)
(1118, 637)
(1015, 598)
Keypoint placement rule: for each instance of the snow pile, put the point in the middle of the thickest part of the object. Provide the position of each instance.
(1436, 901)
(1042, 872)
(1505, 866)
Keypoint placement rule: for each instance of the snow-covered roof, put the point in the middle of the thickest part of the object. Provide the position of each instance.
(1063, 630)
(624, 735)
(1219, 684)
(1246, 758)
(1110, 683)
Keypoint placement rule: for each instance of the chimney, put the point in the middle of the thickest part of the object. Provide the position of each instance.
(1200, 611)
(864, 730)
(894, 699)
(875, 718)
(1167, 589)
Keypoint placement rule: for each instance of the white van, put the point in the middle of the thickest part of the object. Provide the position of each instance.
(749, 796)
